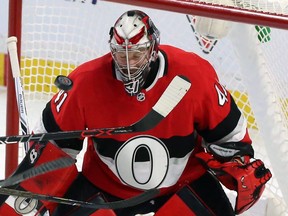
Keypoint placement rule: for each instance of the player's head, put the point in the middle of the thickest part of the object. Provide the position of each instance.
(134, 41)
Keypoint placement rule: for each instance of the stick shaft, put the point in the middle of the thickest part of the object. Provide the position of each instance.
(145, 196)
(14, 61)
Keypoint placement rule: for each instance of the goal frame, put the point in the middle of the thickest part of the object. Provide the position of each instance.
(12, 117)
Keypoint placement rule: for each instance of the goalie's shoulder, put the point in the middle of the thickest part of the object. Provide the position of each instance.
(188, 63)
(93, 73)
(93, 68)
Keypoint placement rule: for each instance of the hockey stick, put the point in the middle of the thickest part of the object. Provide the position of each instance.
(23, 117)
(175, 91)
(136, 200)
(36, 171)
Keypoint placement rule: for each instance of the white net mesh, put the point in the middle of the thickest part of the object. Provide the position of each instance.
(58, 35)
(265, 6)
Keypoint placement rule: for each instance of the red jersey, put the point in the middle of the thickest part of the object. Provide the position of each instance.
(163, 157)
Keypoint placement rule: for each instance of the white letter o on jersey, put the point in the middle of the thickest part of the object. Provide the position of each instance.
(159, 159)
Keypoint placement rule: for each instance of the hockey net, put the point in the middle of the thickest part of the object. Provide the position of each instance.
(58, 35)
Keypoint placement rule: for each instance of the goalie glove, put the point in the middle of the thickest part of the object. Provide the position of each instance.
(248, 179)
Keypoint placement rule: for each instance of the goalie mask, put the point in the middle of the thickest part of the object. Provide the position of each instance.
(134, 44)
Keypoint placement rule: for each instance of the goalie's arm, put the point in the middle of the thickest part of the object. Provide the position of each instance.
(224, 130)
(70, 142)
(229, 148)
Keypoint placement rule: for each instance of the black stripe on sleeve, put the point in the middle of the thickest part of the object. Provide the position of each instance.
(225, 127)
(49, 120)
(51, 125)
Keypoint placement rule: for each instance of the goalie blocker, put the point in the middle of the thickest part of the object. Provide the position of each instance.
(49, 183)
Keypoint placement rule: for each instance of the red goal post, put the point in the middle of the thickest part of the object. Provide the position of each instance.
(12, 117)
(246, 11)
(55, 36)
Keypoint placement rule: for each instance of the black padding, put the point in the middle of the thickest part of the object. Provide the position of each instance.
(210, 191)
(193, 202)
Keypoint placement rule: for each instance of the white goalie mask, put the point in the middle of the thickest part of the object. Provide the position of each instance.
(134, 41)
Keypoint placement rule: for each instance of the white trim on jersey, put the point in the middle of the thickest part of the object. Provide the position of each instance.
(160, 72)
(237, 134)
